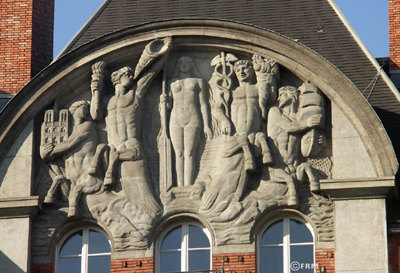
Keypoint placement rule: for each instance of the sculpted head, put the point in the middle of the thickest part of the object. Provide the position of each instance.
(80, 109)
(244, 70)
(123, 76)
(185, 64)
(287, 95)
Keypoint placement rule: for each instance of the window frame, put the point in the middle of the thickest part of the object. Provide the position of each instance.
(184, 243)
(85, 246)
(286, 244)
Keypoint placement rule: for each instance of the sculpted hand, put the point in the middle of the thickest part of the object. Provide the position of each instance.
(314, 121)
(257, 62)
(321, 140)
(226, 128)
(207, 132)
(45, 151)
(168, 41)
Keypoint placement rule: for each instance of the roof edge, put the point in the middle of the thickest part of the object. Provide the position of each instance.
(82, 30)
(364, 48)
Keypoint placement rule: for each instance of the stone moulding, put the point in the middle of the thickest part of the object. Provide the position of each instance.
(351, 188)
(19, 207)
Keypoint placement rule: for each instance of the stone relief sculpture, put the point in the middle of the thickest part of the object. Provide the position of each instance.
(261, 144)
(78, 151)
(244, 128)
(123, 112)
(187, 101)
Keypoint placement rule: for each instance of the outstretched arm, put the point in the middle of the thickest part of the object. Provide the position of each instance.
(48, 151)
(292, 127)
(148, 76)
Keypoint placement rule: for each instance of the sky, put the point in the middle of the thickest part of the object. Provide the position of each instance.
(369, 18)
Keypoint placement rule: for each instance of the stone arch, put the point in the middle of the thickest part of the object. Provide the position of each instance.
(66, 77)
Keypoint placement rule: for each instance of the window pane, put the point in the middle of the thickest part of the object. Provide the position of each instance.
(274, 234)
(271, 259)
(173, 239)
(199, 260)
(299, 233)
(99, 264)
(98, 243)
(170, 261)
(68, 265)
(303, 257)
(73, 245)
(197, 238)
(3, 102)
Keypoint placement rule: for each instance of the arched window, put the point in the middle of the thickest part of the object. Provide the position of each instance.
(285, 246)
(184, 247)
(85, 250)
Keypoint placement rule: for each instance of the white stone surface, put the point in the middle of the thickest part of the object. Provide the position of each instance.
(14, 245)
(16, 169)
(350, 156)
(361, 243)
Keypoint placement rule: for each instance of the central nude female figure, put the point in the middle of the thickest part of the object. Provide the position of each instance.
(189, 112)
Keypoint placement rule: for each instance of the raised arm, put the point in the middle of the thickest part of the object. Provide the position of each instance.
(80, 133)
(97, 86)
(145, 75)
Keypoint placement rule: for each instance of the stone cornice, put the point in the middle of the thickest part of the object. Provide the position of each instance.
(359, 188)
(19, 207)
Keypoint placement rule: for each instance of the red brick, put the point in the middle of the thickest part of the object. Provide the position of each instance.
(28, 48)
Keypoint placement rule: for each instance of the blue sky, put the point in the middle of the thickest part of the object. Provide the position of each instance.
(369, 18)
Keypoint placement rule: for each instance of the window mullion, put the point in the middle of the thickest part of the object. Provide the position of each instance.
(184, 247)
(286, 245)
(85, 250)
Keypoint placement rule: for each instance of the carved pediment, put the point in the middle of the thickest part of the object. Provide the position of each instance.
(223, 134)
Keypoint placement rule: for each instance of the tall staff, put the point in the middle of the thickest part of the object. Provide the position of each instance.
(165, 142)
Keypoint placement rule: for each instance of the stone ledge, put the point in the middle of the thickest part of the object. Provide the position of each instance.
(359, 188)
(19, 207)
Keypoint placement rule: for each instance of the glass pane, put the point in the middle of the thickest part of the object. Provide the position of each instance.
(173, 239)
(99, 264)
(273, 235)
(3, 102)
(299, 233)
(98, 243)
(68, 265)
(170, 261)
(271, 259)
(301, 259)
(73, 245)
(197, 238)
(199, 260)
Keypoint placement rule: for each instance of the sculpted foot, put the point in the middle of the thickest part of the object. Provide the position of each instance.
(293, 201)
(72, 213)
(108, 181)
(49, 199)
(314, 186)
(267, 159)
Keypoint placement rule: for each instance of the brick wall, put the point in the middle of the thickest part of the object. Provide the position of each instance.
(26, 41)
(42, 268)
(325, 258)
(143, 265)
(393, 249)
(394, 34)
(235, 263)
(232, 263)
